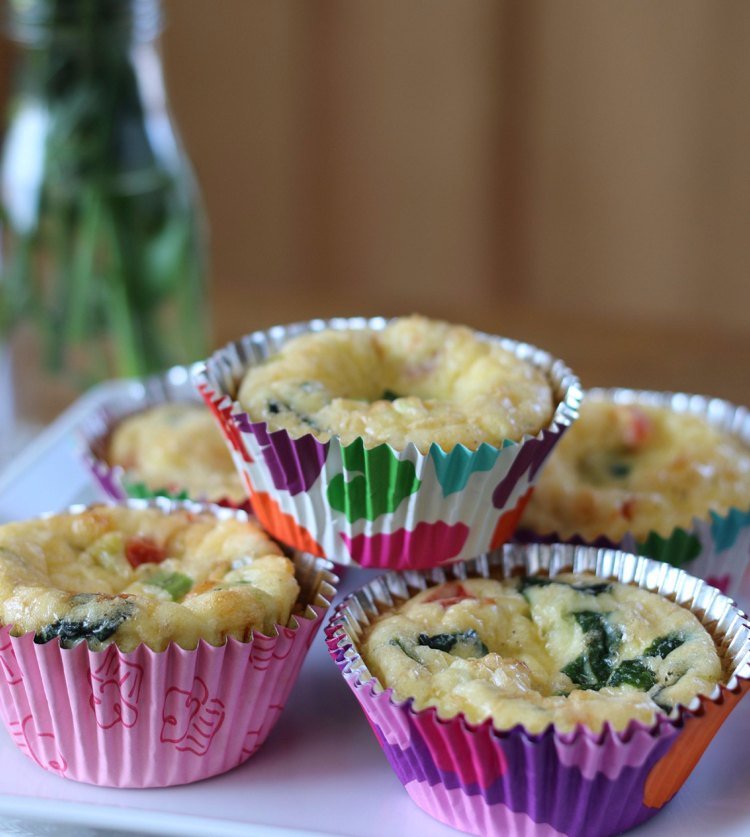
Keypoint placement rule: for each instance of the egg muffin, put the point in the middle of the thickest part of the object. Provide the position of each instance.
(131, 576)
(415, 381)
(543, 687)
(175, 447)
(573, 649)
(152, 643)
(638, 468)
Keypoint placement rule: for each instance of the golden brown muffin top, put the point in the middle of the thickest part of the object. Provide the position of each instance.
(567, 650)
(416, 380)
(176, 447)
(637, 468)
(131, 576)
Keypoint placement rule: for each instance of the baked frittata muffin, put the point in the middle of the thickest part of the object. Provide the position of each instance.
(536, 651)
(415, 381)
(403, 443)
(175, 447)
(664, 475)
(552, 688)
(132, 576)
(638, 468)
(152, 643)
(151, 437)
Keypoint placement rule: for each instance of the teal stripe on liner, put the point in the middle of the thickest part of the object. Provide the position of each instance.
(453, 469)
(725, 529)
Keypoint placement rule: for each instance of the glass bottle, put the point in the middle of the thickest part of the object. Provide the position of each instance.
(103, 248)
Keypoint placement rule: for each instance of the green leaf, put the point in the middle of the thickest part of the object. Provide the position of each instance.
(542, 581)
(632, 673)
(78, 625)
(400, 645)
(601, 467)
(389, 395)
(464, 644)
(664, 645)
(592, 668)
(619, 469)
(579, 671)
(81, 275)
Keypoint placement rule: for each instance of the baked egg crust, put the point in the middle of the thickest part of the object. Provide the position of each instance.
(113, 574)
(567, 650)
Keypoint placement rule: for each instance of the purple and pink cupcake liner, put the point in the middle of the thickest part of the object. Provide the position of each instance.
(499, 782)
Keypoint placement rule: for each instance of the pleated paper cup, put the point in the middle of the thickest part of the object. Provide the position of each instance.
(492, 783)
(715, 547)
(143, 719)
(380, 507)
(173, 386)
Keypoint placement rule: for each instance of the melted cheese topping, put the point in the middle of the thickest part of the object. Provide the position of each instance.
(416, 381)
(570, 650)
(176, 447)
(631, 468)
(129, 576)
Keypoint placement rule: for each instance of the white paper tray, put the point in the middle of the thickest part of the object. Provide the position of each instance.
(321, 770)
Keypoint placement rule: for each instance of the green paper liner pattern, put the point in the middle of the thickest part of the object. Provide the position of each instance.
(380, 482)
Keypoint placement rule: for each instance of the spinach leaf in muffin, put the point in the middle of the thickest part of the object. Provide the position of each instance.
(632, 673)
(664, 645)
(464, 644)
(596, 666)
(402, 647)
(531, 581)
(592, 668)
(277, 406)
(602, 467)
(81, 624)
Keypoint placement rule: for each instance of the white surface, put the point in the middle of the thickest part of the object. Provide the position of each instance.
(321, 770)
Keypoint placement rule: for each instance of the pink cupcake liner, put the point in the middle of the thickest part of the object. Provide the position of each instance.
(154, 719)
(716, 547)
(174, 385)
(491, 782)
(379, 507)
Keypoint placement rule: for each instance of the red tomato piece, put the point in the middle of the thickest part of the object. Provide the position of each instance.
(450, 594)
(141, 550)
(628, 508)
(638, 428)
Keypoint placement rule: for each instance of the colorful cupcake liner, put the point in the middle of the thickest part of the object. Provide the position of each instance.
(173, 385)
(715, 548)
(380, 507)
(579, 783)
(146, 719)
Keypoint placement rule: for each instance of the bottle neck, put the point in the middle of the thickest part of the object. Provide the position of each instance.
(83, 25)
(87, 109)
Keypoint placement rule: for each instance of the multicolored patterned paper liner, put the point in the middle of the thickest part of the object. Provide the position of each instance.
(174, 385)
(380, 507)
(715, 548)
(490, 782)
(146, 719)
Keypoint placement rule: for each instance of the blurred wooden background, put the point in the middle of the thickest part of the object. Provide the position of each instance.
(547, 170)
